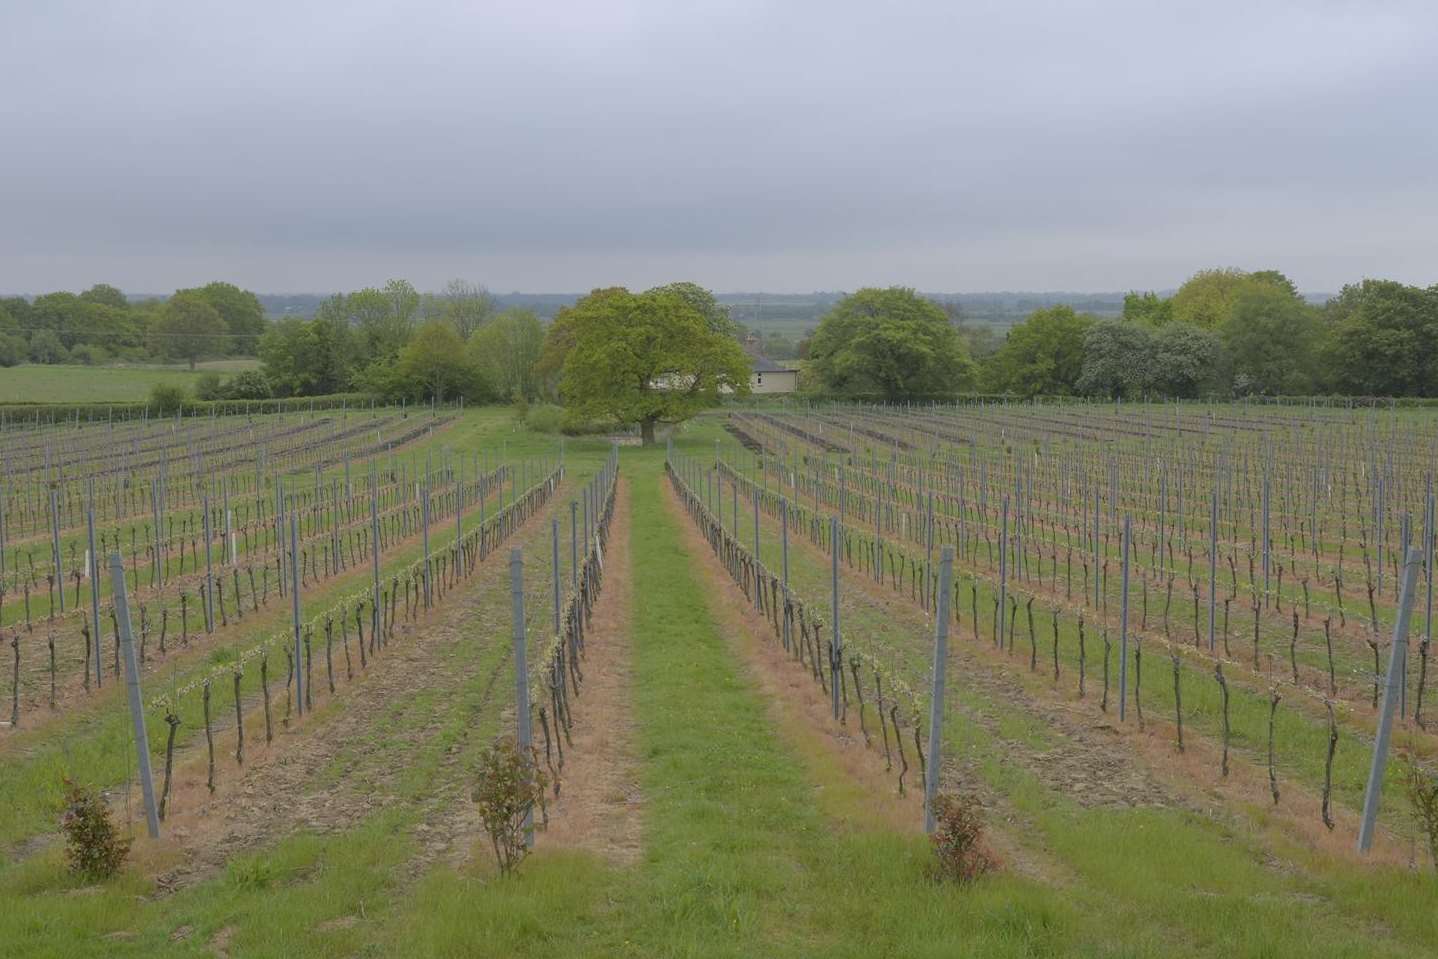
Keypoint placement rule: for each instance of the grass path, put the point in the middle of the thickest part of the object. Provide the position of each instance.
(752, 844)
(740, 857)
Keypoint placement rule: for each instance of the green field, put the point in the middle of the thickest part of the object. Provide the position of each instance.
(755, 827)
(101, 384)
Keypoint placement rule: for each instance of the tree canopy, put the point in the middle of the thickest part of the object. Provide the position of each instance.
(189, 328)
(434, 361)
(889, 344)
(505, 352)
(1041, 356)
(240, 309)
(646, 358)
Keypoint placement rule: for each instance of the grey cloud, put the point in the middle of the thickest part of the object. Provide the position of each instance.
(787, 146)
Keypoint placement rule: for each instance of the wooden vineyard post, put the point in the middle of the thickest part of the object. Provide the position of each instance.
(1396, 661)
(521, 672)
(836, 649)
(936, 698)
(92, 563)
(1123, 624)
(132, 684)
(295, 612)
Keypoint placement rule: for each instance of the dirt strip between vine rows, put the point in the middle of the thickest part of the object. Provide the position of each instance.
(600, 801)
(319, 777)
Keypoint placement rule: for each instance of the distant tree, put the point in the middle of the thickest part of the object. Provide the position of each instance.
(61, 313)
(13, 349)
(1116, 359)
(105, 295)
(434, 364)
(403, 301)
(189, 328)
(382, 318)
(505, 351)
(89, 354)
(309, 357)
(46, 347)
(1149, 308)
(646, 358)
(889, 344)
(1276, 280)
(1383, 339)
(1042, 356)
(19, 310)
(8, 323)
(716, 316)
(465, 306)
(1206, 299)
(1186, 362)
(1272, 339)
(240, 309)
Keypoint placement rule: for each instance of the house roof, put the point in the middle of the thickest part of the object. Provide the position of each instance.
(762, 364)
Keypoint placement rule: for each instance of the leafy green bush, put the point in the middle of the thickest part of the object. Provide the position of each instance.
(167, 398)
(209, 387)
(545, 418)
(249, 385)
(92, 846)
(510, 785)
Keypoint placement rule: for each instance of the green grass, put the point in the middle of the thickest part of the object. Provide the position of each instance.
(102, 384)
(746, 852)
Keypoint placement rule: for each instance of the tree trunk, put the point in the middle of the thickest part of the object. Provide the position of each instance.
(192, 364)
(646, 431)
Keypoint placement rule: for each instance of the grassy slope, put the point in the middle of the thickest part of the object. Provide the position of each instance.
(101, 384)
(744, 854)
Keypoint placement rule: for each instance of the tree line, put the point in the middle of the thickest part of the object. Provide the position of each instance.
(1223, 333)
(101, 325)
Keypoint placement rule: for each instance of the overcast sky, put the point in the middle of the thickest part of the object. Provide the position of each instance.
(949, 145)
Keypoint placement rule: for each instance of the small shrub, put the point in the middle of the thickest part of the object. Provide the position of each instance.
(208, 386)
(248, 385)
(545, 418)
(1422, 788)
(94, 850)
(167, 398)
(958, 839)
(510, 786)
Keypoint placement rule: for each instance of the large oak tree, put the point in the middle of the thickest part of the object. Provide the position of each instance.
(645, 358)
